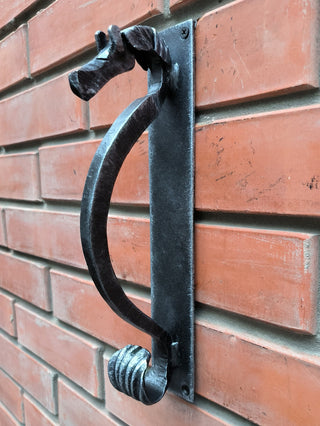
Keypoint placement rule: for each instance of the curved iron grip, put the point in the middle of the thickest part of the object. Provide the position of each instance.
(128, 368)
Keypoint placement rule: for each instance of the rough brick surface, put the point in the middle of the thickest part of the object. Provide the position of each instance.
(77, 302)
(9, 9)
(46, 110)
(26, 279)
(276, 281)
(37, 379)
(76, 410)
(34, 416)
(74, 356)
(11, 395)
(6, 418)
(19, 177)
(266, 163)
(7, 317)
(13, 58)
(239, 58)
(61, 33)
(64, 169)
(26, 230)
(256, 275)
(265, 383)
(123, 90)
(129, 245)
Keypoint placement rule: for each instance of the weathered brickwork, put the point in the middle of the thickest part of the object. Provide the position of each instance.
(257, 210)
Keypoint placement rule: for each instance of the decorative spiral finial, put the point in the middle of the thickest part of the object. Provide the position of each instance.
(128, 373)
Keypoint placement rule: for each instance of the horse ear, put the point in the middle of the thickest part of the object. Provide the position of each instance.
(115, 38)
(101, 40)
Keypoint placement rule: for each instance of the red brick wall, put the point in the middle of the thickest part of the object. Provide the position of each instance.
(257, 197)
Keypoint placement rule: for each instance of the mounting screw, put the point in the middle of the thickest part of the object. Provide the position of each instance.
(184, 32)
(185, 390)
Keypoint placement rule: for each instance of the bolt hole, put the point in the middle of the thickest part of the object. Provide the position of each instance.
(185, 390)
(184, 32)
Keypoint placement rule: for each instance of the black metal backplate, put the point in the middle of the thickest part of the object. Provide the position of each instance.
(171, 159)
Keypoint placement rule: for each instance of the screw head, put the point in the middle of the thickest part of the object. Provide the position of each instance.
(184, 32)
(185, 390)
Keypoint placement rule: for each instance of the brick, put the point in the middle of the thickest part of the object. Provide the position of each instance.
(175, 4)
(129, 239)
(266, 383)
(77, 302)
(6, 418)
(13, 58)
(7, 317)
(26, 279)
(60, 33)
(275, 271)
(266, 163)
(9, 9)
(64, 169)
(239, 58)
(34, 416)
(11, 395)
(171, 410)
(46, 110)
(74, 409)
(132, 184)
(27, 228)
(73, 356)
(123, 90)
(3, 239)
(19, 176)
(37, 379)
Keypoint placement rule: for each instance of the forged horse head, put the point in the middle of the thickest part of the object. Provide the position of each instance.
(117, 55)
(113, 58)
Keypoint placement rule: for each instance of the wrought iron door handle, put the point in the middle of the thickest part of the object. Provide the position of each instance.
(128, 368)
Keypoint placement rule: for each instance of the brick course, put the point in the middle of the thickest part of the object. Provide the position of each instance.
(60, 33)
(9, 10)
(33, 376)
(26, 279)
(239, 58)
(34, 415)
(73, 356)
(28, 115)
(13, 58)
(19, 177)
(11, 395)
(6, 417)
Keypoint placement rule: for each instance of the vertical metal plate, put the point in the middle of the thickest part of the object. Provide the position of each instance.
(171, 162)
